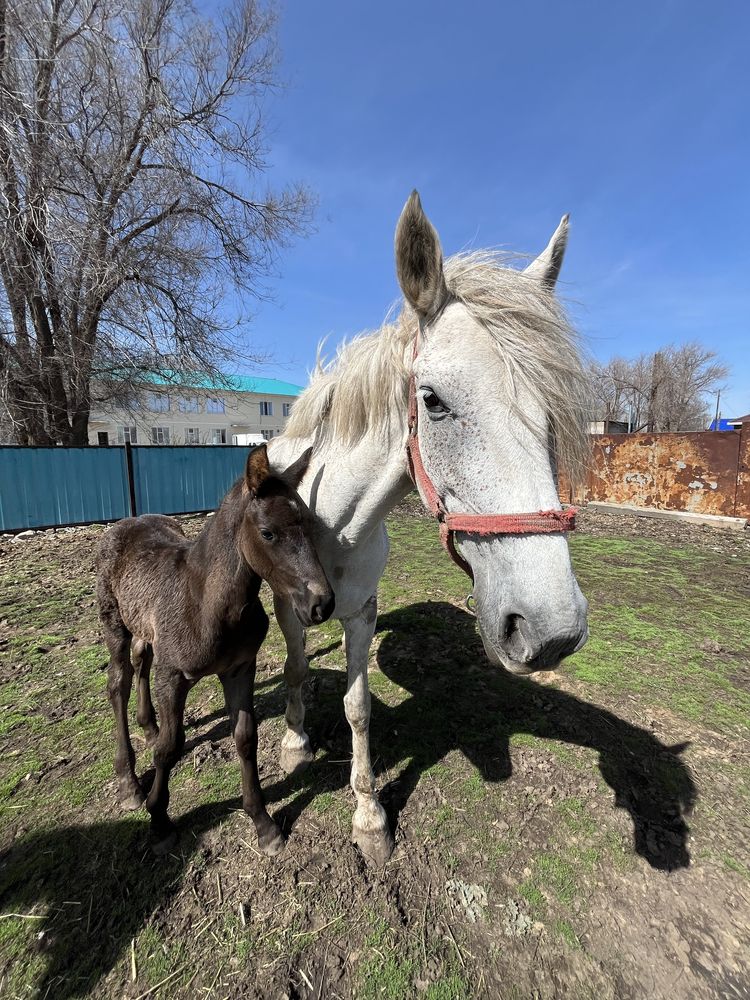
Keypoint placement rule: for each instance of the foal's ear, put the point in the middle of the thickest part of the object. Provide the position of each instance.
(419, 260)
(293, 475)
(547, 266)
(257, 469)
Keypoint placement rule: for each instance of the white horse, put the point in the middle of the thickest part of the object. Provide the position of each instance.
(500, 394)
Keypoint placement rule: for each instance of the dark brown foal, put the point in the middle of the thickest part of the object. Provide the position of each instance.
(191, 608)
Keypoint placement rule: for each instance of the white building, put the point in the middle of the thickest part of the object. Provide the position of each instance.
(197, 410)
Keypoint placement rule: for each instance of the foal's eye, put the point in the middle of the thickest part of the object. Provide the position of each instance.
(433, 404)
(268, 535)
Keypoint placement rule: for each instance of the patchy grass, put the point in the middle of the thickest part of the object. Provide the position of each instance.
(566, 932)
(645, 641)
(576, 816)
(565, 795)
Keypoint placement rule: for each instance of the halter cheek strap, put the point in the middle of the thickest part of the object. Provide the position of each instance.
(539, 522)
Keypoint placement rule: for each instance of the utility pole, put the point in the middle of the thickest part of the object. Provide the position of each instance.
(716, 419)
(656, 367)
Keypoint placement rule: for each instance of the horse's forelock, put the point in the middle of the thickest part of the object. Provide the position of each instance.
(365, 388)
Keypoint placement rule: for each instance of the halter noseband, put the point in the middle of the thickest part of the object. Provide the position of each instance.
(540, 522)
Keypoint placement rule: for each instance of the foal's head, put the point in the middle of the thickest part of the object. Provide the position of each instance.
(275, 537)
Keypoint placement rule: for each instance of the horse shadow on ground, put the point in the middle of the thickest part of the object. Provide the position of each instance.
(483, 707)
(101, 886)
(460, 701)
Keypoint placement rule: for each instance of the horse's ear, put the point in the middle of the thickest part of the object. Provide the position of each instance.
(293, 475)
(257, 469)
(547, 266)
(419, 260)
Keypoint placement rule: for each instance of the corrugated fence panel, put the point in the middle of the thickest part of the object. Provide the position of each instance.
(42, 487)
(174, 480)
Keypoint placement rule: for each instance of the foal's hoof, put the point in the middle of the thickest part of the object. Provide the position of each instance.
(130, 797)
(272, 843)
(132, 802)
(375, 845)
(164, 842)
(295, 761)
(151, 735)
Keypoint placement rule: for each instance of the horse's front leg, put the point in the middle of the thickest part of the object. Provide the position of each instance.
(238, 692)
(370, 830)
(295, 746)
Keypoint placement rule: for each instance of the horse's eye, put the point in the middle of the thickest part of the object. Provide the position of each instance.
(268, 535)
(433, 403)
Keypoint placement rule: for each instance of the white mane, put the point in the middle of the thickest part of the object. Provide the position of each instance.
(365, 388)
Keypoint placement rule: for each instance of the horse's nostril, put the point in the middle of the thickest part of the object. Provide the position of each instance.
(517, 639)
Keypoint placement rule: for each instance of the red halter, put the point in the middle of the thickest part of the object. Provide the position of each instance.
(538, 523)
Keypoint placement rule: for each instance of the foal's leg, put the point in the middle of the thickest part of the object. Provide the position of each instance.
(370, 830)
(171, 692)
(119, 681)
(142, 655)
(295, 746)
(238, 692)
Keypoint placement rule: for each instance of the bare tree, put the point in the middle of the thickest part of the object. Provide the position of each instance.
(691, 373)
(131, 162)
(663, 391)
(610, 383)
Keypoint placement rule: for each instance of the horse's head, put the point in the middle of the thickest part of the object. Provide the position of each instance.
(276, 537)
(500, 390)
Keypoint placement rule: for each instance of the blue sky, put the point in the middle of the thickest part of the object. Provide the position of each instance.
(635, 118)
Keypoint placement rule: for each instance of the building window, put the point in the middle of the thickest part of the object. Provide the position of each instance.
(266, 408)
(188, 404)
(159, 435)
(219, 435)
(215, 405)
(192, 435)
(267, 435)
(102, 439)
(127, 435)
(158, 402)
(286, 409)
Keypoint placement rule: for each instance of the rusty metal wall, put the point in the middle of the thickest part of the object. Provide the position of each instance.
(742, 497)
(699, 472)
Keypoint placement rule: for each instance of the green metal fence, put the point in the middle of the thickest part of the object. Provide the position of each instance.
(48, 487)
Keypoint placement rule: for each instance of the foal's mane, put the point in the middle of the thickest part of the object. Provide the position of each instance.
(365, 388)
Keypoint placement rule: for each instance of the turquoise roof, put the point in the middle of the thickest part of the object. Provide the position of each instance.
(227, 383)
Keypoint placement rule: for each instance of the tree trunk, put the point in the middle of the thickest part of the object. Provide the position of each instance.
(80, 434)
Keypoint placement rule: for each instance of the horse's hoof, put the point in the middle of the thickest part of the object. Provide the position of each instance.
(272, 843)
(295, 761)
(162, 845)
(132, 802)
(151, 736)
(130, 795)
(375, 845)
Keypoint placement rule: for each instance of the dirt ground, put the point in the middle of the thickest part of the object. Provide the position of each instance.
(581, 835)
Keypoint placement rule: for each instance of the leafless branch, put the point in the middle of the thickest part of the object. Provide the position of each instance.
(132, 195)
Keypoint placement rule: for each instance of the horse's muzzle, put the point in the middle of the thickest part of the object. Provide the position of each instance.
(523, 649)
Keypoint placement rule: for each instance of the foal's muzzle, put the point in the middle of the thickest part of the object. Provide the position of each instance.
(313, 608)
